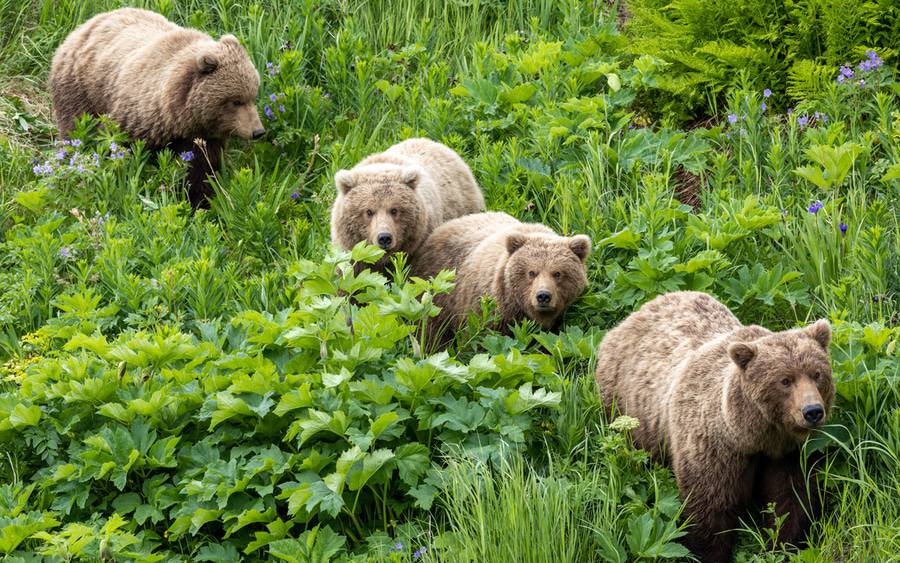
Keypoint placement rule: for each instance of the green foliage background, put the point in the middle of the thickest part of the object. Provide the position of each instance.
(181, 386)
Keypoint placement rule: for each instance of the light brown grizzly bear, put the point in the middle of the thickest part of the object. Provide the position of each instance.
(394, 199)
(727, 405)
(530, 271)
(163, 84)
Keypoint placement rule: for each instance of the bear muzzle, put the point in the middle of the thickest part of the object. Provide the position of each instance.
(813, 414)
(385, 240)
(543, 300)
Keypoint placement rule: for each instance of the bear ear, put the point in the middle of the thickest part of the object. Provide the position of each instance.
(741, 353)
(229, 38)
(514, 241)
(344, 181)
(581, 246)
(820, 331)
(207, 63)
(410, 176)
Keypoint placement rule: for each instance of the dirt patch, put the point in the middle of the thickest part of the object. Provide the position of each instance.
(688, 188)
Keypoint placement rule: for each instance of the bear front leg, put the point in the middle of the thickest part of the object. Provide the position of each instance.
(717, 491)
(783, 483)
(204, 161)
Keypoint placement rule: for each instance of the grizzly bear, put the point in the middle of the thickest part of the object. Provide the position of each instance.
(394, 199)
(727, 405)
(529, 270)
(163, 84)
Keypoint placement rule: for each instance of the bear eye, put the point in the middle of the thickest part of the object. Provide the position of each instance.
(557, 275)
(394, 211)
(237, 103)
(786, 382)
(532, 274)
(816, 374)
(369, 213)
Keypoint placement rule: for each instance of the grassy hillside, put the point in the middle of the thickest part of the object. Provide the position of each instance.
(200, 386)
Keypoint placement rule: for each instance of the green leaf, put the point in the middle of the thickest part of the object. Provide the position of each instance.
(412, 462)
(318, 545)
(371, 464)
(22, 416)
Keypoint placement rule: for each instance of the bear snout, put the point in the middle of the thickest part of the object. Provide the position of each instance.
(257, 133)
(813, 414)
(543, 299)
(385, 240)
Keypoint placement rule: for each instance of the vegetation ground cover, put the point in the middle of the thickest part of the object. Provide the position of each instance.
(218, 385)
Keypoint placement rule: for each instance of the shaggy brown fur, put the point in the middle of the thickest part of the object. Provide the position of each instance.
(160, 82)
(726, 404)
(396, 198)
(530, 271)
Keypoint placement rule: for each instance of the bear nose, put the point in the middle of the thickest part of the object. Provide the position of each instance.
(813, 414)
(385, 240)
(257, 133)
(543, 297)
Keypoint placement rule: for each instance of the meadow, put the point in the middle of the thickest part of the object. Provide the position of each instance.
(220, 385)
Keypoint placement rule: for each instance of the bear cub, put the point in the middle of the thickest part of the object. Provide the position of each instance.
(163, 84)
(529, 270)
(394, 199)
(726, 405)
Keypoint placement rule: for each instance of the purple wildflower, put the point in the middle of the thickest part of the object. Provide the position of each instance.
(862, 83)
(767, 93)
(764, 106)
(790, 111)
(80, 168)
(272, 69)
(295, 196)
(732, 118)
(841, 79)
(802, 120)
(281, 108)
(43, 169)
(846, 71)
(61, 154)
(96, 159)
(186, 156)
(269, 113)
(65, 252)
(419, 552)
(865, 66)
(397, 547)
(113, 147)
(273, 98)
(66, 142)
(874, 60)
(843, 228)
(815, 207)
(76, 142)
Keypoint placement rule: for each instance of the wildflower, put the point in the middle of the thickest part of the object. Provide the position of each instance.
(767, 93)
(272, 69)
(840, 79)
(61, 154)
(790, 111)
(764, 106)
(862, 83)
(397, 547)
(65, 252)
(76, 142)
(269, 113)
(624, 423)
(732, 118)
(96, 158)
(281, 108)
(66, 142)
(874, 60)
(295, 196)
(843, 228)
(113, 147)
(280, 95)
(419, 552)
(802, 120)
(80, 168)
(815, 207)
(846, 71)
(865, 66)
(186, 156)
(273, 98)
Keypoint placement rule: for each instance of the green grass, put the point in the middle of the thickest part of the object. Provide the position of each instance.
(135, 294)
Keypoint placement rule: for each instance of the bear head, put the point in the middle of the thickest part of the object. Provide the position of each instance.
(544, 274)
(380, 205)
(788, 377)
(218, 90)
